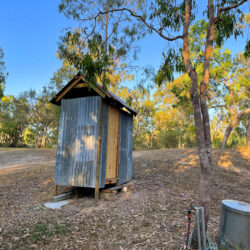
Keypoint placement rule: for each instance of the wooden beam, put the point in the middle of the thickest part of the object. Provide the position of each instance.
(96, 89)
(69, 87)
(99, 92)
(111, 181)
(114, 188)
(99, 143)
(118, 145)
(81, 85)
(55, 189)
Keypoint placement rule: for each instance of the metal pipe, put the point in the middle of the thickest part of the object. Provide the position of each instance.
(198, 227)
(203, 228)
(188, 232)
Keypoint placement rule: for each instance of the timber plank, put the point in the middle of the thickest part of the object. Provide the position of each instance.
(112, 143)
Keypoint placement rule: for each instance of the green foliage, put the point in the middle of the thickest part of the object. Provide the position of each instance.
(228, 22)
(169, 13)
(217, 128)
(173, 63)
(30, 135)
(91, 61)
(237, 138)
(61, 77)
(3, 73)
(43, 118)
(99, 45)
(13, 120)
(168, 16)
(227, 76)
(247, 49)
(160, 122)
(28, 119)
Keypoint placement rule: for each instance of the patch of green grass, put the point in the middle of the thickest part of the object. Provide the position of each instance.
(60, 229)
(39, 232)
(146, 223)
(44, 231)
(102, 225)
(136, 228)
(34, 233)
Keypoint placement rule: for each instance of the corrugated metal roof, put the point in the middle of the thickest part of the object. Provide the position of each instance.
(109, 96)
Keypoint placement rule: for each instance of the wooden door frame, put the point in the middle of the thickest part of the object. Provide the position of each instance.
(113, 180)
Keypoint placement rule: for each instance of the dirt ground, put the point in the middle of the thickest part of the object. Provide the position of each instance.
(150, 215)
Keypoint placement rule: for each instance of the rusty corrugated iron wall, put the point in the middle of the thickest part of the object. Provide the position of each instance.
(77, 142)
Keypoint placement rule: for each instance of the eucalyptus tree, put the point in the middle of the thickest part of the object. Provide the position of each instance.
(61, 77)
(228, 90)
(144, 122)
(43, 117)
(170, 20)
(234, 95)
(99, 49)
(14, 113)
(3, 72)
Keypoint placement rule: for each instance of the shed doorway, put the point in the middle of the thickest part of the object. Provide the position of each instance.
(112, 160)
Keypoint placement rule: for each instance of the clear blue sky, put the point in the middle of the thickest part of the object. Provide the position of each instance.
(29, 32)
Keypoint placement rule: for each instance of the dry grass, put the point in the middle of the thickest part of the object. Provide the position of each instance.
(152, 214)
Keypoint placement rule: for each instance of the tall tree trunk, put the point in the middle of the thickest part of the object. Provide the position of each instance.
(207, 161)
(226, 135)
(233, 124)
(201, 117)
(233, 111)
(204, 151)
(248, 130)
(137, 126)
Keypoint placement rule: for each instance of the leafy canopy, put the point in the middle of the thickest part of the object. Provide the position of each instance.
(99, 45)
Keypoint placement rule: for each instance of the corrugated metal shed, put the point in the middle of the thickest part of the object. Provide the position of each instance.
(95, 137)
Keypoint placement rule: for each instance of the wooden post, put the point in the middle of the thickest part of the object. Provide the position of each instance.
(55, 189)
(99, 142)
(77, 193)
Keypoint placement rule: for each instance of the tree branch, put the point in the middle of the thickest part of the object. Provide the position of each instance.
(243, 113)
(116, 25)
(220, 10)
(186, 54)
(218, 106)
(208, 48)
(233, 124)
(159, 32)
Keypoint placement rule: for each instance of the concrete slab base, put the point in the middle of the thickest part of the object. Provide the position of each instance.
(57, 205)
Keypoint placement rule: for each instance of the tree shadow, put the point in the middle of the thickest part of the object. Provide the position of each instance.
(233, 160)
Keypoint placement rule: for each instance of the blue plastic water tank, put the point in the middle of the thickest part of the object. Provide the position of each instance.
(234, 232)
